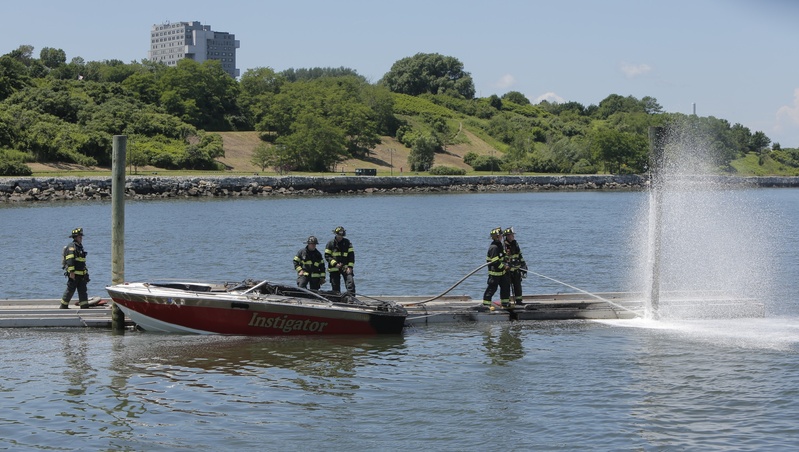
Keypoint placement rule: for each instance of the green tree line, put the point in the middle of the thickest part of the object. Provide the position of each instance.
(312, 119)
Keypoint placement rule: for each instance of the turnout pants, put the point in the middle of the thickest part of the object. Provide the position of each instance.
(349, 282)
(79, 284)
(516, 285)
(501, 282)
(304, 280)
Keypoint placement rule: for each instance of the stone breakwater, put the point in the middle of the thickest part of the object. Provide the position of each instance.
(144, 187)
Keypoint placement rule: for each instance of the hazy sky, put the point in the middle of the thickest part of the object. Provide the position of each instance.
(734, 59)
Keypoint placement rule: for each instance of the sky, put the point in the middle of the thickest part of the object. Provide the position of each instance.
(731, 59)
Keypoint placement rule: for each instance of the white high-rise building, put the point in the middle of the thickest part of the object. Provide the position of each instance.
(173, 41)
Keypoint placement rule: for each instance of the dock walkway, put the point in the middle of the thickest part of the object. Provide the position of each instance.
(46, 313)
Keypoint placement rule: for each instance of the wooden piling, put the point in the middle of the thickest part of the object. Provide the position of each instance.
(118, 223)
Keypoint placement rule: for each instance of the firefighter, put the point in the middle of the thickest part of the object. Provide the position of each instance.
(518, 267)
(310, 265)
(74, 264)
(340, 257)
(497, 272)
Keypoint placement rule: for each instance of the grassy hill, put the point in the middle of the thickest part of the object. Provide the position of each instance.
(239, 147)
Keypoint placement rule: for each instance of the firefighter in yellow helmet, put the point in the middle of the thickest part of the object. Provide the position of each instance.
(497, 272)
(74, 264)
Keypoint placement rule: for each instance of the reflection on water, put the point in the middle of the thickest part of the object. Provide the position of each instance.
(503, 343)
(331, 356)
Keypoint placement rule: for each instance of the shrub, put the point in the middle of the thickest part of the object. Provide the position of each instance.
(447, 171)
(583, 166)
(14, 168)
(486, 163)
(469, 158)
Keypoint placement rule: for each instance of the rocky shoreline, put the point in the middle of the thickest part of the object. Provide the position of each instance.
(158, 187)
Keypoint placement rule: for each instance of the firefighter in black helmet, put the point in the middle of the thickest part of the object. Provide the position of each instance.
(497, 272)
(340, 257)
(518, 267)
(74, 264)
(310, 265)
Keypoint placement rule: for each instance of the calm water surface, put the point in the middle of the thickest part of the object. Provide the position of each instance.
(574, 385)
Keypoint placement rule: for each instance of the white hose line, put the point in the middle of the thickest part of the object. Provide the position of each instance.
(583, 291)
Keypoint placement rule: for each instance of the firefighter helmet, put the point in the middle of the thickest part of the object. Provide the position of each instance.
(76, 232)
(340, 231)
(496, 232)
(508, 231)
(313, 240)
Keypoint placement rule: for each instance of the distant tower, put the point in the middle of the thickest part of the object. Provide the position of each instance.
(170, 42)
(693, 106)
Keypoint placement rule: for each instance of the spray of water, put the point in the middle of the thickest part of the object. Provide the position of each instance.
(714, 259)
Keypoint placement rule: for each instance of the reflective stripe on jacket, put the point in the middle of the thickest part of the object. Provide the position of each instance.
(496, 259)
(339, 252)
(310, 261)
(514, 254)
(75, 258)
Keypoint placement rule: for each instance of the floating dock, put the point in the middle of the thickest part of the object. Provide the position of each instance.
(45, 313)
(579, 306)
(455, 308)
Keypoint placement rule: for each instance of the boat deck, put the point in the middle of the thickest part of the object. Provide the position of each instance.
(45, 313)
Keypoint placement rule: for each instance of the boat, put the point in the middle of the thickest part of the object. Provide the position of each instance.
(252, 308)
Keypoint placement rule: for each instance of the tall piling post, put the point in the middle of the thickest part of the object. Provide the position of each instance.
(118, 223)
(657, 139)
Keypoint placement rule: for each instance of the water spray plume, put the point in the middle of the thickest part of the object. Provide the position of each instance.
(702, 244)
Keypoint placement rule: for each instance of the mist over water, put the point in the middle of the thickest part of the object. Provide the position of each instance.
(716, 241)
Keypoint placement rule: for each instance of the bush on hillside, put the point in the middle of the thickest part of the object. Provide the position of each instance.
(14, 168)
(447, 171)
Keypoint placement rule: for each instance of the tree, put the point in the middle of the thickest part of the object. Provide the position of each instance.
(440, 130)
(346, 104)
(516, 97)
(203, 95)
(429, 73)
(23, 53)
(52, 58)
(495, 101)
(516, 159)
(203, 154)
(621, 151)
(616, 103)
(422, 153)
(294, 75)
(264, 155)
(259, 81)
(13, 76)
(760, 142)
(257, 89)
(144, 87)
(651, 105)
(315, 143)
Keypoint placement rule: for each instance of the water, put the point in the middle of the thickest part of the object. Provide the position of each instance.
(573, 385)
